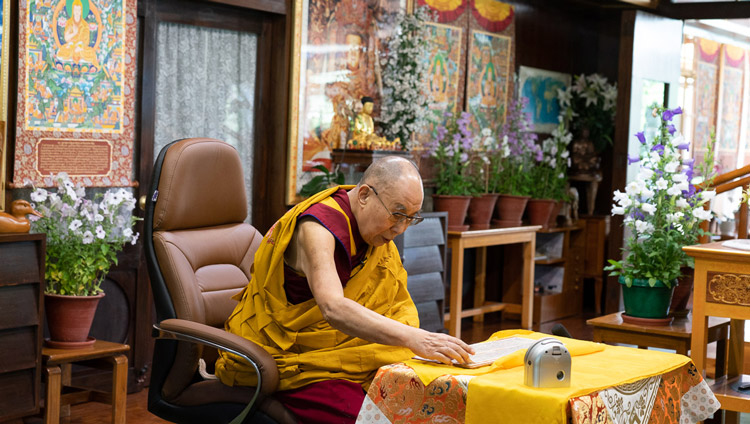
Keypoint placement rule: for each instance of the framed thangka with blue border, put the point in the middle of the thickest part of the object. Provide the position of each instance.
(76, 92)
(488, 79)
(541, 87)
(445, 75)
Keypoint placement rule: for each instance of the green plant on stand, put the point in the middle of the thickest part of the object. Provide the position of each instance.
(323, 181)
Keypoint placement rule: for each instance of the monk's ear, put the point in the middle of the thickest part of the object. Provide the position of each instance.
(363, 192)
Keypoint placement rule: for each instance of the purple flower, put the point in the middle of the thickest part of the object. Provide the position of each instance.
(667, 115)
(464, 157)
(633, 159)
(684, 146)
(441, 132)
(671, 129)
(659, 148)
(641, 137)
(677, 111)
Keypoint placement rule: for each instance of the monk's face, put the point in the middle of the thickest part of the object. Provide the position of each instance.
(376, 224)
(367, 108)
(76, 12)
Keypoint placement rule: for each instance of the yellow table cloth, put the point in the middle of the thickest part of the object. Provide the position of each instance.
(604, 381)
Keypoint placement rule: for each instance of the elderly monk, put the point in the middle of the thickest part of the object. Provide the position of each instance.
(328, 297)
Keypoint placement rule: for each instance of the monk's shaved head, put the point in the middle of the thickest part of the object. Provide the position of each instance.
(390, 170)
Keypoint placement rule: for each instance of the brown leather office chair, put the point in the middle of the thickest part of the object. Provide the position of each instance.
(199, 252)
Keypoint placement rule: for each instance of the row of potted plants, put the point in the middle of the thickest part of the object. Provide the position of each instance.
(486, 175)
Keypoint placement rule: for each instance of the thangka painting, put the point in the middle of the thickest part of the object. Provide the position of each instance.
(731, 97)
(705, 90)
(337, 44)
(540, 87)
(487, 79)
(444, 75)
(492, 15)
(447, 11)
(76, 91)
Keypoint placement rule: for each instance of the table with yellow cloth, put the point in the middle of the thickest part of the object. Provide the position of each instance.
(609, 384)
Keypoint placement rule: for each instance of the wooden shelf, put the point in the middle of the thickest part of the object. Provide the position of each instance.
(553, 261)
(729, 398)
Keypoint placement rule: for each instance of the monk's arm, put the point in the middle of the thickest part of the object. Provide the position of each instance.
(315, 248)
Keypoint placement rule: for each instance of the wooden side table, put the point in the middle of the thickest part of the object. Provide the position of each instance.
(460, 240)
(58, 362)
(677, 335)
(722, 275)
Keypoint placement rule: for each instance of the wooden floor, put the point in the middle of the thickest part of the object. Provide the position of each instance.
(137, 412)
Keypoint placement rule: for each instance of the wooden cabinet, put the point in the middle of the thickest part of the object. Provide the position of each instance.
(423, 254)
(566, 297)
(21, 320)
(558, 273)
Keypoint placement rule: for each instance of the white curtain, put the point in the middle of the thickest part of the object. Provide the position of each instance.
(205, 87)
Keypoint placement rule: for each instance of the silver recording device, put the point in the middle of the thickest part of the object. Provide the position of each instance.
(547, 364)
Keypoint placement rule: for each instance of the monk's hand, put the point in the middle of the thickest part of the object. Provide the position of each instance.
(441, 347)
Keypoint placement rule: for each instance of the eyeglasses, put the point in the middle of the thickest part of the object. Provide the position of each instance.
(399, 217)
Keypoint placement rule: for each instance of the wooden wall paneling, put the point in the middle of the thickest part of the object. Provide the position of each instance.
(620, 151)
(271, 123)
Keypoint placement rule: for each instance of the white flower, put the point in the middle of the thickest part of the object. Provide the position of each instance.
(661, 184)
(647, 193)
(39, 195)
(75, 224)
(644, 227)
(128, 232)
(88, 238)
(681, 203)
(100, 233)
(707, 195)
(648, 208)
(134, 239)
(618, 210)
(679, 178)
(701, 213)
(98, 218)
(674, 191)
(671, 167)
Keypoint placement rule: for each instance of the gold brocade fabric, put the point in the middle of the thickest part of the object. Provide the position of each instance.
(306, 348)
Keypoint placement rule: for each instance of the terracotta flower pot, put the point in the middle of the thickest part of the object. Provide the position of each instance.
(69, 319)
(456, 206)
(539, 211)
(552, 223)
(480, 211)
(510, 208)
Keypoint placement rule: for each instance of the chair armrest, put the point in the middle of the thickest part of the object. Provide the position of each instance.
(262, 361)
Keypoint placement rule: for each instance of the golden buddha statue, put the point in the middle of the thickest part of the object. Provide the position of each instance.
(364, 136)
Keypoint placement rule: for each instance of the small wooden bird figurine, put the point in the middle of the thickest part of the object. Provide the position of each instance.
(16, 221)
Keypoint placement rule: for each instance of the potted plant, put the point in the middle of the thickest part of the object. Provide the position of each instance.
(451, 148)
(510, 164)
(83, 239)
(548, 177)
(483, 201)
(588, 109)
(404, 105)
(323, 181)
(663, 211)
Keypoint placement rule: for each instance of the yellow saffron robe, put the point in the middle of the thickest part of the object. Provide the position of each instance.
(305, 346)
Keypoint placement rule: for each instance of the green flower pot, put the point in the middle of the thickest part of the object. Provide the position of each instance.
(644, 301)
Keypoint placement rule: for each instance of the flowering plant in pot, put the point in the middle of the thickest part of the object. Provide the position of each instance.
(588, 109)
(662, 212)
(548, 176)
(484, 197)
(451, 148)
(510, 164)
(83, 239)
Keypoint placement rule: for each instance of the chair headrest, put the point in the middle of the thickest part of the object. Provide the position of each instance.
(201, 185)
